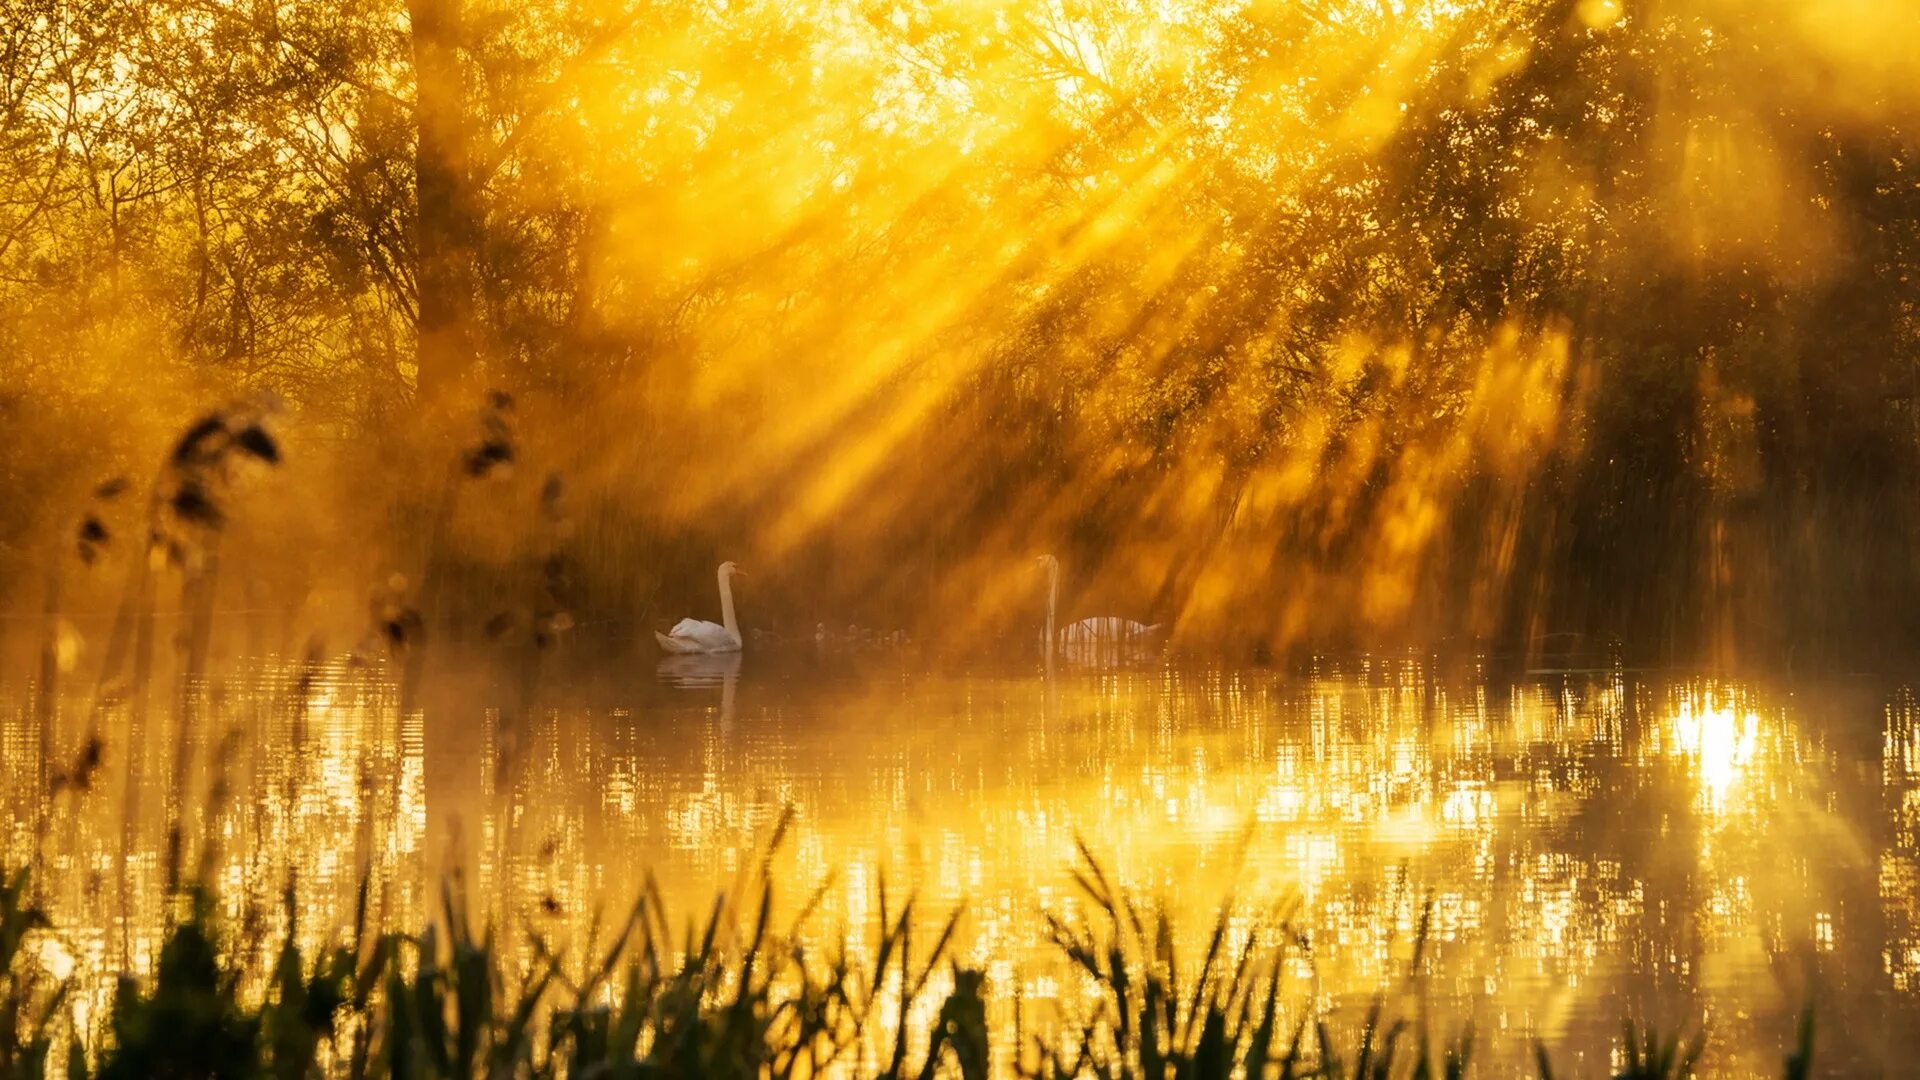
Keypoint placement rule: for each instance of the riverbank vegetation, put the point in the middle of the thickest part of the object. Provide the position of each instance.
(735, 996)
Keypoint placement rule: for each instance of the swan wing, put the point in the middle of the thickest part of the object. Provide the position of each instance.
(1098, 628)
(1106, 628)
(673, 645)
(698, 636)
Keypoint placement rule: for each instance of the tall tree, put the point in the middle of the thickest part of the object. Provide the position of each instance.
(448, 216)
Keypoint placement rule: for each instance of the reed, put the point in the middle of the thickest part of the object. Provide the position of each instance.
(1230, 1016)
(731, 995)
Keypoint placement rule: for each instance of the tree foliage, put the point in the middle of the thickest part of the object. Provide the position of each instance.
(1283, 320)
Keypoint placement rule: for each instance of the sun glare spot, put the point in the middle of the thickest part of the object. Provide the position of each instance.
(1721, 745)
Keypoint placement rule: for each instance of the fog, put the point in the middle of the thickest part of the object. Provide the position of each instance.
(1285, 325)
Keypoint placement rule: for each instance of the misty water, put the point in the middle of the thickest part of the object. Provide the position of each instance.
(1586, 846)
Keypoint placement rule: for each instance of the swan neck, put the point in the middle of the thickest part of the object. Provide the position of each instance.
(727, 618)
(1053, 600)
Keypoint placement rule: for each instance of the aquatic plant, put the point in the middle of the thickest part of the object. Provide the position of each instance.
(1228, 1018)
(32, 1000)
(729, 998)
(732, 996)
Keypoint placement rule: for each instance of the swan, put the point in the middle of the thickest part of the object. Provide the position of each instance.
(1106, 628)
(1099, 630)
(700, 636)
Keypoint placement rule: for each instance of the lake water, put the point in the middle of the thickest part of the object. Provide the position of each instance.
(1592, 845)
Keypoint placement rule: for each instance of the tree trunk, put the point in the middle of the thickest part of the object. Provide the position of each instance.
(447, 225)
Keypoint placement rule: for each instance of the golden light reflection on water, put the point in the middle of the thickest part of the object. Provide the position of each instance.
(1589, 846)
(1721, 745)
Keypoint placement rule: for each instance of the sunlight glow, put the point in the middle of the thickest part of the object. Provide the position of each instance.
(1720, 744)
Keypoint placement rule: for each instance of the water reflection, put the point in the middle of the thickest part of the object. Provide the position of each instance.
(1589, 845)
(1108, 651)
(700, 672)
(700, 669)
(1721, 744)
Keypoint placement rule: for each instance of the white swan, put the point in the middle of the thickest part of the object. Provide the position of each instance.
(701, 636)
(1106, 628)
(1100, 630)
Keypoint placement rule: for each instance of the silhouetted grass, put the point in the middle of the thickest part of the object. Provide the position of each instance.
(731, 996)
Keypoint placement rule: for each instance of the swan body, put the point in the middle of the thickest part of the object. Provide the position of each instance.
(697, 636)
(700, 636)
(1101, 631)
(1106, 628)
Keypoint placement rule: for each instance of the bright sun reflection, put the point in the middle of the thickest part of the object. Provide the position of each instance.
(1721, 745)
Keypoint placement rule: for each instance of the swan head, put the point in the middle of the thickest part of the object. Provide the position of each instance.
(728, 569)
(1047, 561)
